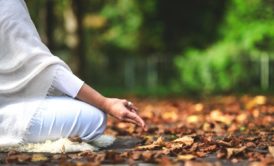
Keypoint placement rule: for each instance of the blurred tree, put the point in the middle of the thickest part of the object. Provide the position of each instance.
(246, 33)
(50, 20)
(118, 43)
(79, 10)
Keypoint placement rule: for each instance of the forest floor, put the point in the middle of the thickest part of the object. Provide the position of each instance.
(217, 131)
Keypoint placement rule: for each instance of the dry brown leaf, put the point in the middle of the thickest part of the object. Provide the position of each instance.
(57, 156)
(12, 158)
(193, 119)
(209, 148)
(148, 111)
(258, 100)
(206, 127)
(233, 151)
(75, 139)
(18, 158)
(148, 147)
(185, 157)
(24, 157)
(250, 145)
(39, 157)
(203, 163)
(159, 141)
(170, 115)
(218, 116)
(136, 155)
(155, 145)
(199, 107)
(98, 158)
(271, 150)
(147, 155)
(165, 161)
(187, 140)
(241, 117)
(220, 154)
(86, 153)
(12, 152)
(224, 143)
(201, 154)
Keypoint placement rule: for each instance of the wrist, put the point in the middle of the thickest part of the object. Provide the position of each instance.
(105, 104)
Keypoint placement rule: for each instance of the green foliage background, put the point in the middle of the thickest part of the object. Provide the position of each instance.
(246, 34)
(164, 47)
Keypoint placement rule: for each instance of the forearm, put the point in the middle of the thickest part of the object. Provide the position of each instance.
(71, 85)
(92, 97)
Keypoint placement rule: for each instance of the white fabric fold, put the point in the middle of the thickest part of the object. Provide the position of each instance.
(27, 70)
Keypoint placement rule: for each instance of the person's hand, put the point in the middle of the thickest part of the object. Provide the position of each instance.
(124, 111)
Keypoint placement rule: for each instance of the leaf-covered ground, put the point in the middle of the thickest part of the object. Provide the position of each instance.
(217, 131)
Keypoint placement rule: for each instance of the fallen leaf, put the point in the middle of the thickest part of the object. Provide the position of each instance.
(39, 157)
(187, 140)
(220, 154)
(159, 141)
(12, 152)
(271, 150)
(136, 155)
(24, 157)
(170, 115)
(199, 107)
(201, 154)
(185, 157)
(147, 155)
(224, 143)
(193, 119)
(218, 116)
(250, 145)
(209, 148)
(75, 139)
(148, 147)
(241, 117)
(207, 127)
(234, 151)
(10, 159)
(165, 161)
(258, 100)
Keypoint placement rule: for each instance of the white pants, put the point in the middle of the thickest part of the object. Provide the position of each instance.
(64, 117)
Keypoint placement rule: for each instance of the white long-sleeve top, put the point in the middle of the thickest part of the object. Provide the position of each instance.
(28, 71)
(67, 82)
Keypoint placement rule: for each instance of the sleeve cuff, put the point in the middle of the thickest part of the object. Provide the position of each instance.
(67, 82)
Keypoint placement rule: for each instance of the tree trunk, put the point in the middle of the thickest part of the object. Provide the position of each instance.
(78, 8)
(50, 20)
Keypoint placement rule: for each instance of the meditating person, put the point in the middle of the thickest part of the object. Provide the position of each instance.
(40, 98)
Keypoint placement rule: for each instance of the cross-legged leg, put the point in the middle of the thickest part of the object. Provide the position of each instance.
(64, 117)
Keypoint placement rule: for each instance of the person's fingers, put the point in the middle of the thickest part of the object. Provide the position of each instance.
(125, 102)
(130, 121)
(130, 106)
(136, 118)
(136, 123)
(134, 107)
(132, 110)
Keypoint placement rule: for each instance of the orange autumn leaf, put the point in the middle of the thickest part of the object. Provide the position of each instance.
(233, 151)
(187, 140)
(186, 157)
(155, 145)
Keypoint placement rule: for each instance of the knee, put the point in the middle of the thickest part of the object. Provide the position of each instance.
(103, 121)
(98, 126)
